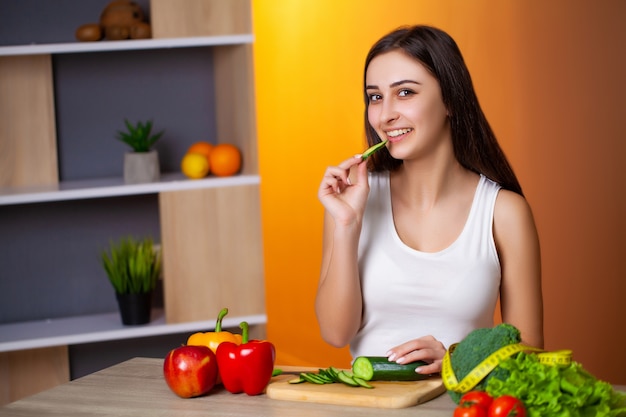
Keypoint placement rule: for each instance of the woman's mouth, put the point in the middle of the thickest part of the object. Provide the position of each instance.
(395, 135)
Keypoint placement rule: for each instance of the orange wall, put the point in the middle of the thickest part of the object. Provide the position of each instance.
(549, 77)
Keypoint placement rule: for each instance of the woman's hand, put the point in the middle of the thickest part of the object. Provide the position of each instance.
(343, 199)
(427, 349)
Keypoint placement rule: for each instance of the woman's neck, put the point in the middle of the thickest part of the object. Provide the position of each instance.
(425, 182)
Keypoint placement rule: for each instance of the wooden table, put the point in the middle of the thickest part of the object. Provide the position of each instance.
(136, 388)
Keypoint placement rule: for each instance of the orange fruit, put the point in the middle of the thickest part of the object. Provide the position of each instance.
(225, 160)
(195, 165)
(203, 148)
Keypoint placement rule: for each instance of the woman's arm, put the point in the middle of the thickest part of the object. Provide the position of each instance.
(517, 242)
(338, 304)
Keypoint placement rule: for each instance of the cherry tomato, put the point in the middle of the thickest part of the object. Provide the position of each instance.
(470, 410)
(507, 406)
(480, 398)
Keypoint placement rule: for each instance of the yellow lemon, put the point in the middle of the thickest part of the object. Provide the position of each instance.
(195, 165)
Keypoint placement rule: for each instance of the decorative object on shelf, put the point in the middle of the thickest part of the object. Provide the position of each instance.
(133, 267)
(225, 160)
(195, 163)
(142, 164)
(203, 158)
(119, 20)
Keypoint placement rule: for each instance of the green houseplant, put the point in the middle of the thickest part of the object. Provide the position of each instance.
(142, 164)
(133, 267)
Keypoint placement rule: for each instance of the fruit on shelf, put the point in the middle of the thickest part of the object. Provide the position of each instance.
(225, 160)
(201, 147)
(203, 158)
(195, 166)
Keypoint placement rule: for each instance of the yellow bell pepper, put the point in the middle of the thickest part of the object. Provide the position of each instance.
(213, 339)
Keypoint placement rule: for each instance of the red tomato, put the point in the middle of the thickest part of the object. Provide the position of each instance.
(507, 406)
(480, 398)
(469, 410)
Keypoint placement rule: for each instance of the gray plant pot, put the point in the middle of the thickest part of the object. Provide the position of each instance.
(140, 167)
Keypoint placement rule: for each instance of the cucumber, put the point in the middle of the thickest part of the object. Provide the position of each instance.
(347, 379)
(298, 380)
(369, 151)
(379, 368)
(312, 378)
(362, 382)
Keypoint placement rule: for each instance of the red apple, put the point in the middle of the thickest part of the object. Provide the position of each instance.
(190, 371)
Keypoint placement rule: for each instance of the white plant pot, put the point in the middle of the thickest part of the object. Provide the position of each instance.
(140, 167)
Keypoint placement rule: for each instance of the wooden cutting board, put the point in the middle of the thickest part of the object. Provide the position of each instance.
(383, 395)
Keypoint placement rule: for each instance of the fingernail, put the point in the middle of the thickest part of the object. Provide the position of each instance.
(391, 356)
(418, 370)
(348, 181)
(400, 360)
(358, 156)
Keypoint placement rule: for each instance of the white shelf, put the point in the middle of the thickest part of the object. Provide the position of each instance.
(114, 187)
(102, 328)
(125, 45)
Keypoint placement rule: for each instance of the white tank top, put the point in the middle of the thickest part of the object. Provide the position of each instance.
(409, 294)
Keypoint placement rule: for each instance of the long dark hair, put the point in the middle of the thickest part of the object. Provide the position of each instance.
(475, 145)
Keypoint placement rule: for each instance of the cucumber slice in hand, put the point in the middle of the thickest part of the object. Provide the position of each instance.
(369, 151)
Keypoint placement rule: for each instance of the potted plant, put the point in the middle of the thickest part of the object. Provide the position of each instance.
(133, 267)
(142, 164)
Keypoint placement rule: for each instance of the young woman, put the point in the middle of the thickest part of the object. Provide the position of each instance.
(422, 238)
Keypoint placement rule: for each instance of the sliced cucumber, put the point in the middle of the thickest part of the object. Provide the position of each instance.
(369, 151)
(332, 372)
(312, 378)
(298, 380)
(379, 368)
(362, 382)
(330, 376)
(326, 376)
(347, 379)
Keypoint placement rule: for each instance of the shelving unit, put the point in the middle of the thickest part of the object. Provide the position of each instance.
(114, 187)
(126, 45)
(210, 228)
(102, 328)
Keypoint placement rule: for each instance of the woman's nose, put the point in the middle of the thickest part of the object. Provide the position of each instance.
(388, 113)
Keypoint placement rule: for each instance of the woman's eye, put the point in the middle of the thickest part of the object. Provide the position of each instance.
(405, 93)
(375, 97)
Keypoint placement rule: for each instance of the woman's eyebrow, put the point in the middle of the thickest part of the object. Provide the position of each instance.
(397, 83)
(394, 84)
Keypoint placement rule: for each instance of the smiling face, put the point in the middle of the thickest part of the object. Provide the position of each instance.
(405, 106)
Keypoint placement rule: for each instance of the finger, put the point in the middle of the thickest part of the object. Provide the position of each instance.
(335, 179)
(427, 355)
(408, 347)
(337, 172)
(433, 368)
(350, 162)
(361, 173)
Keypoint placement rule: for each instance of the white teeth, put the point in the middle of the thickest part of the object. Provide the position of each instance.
(398, 132)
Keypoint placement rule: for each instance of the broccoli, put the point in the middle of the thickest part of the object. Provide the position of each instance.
(476, 347)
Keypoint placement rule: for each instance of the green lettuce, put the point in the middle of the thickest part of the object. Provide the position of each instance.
(557, 391)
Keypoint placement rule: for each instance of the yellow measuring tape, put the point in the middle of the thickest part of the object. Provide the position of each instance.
(559, 357)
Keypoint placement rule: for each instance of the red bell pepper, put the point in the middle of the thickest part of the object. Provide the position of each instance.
(246, 367)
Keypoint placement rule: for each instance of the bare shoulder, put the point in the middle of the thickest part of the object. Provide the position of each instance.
(511, 206)
(513, 217)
